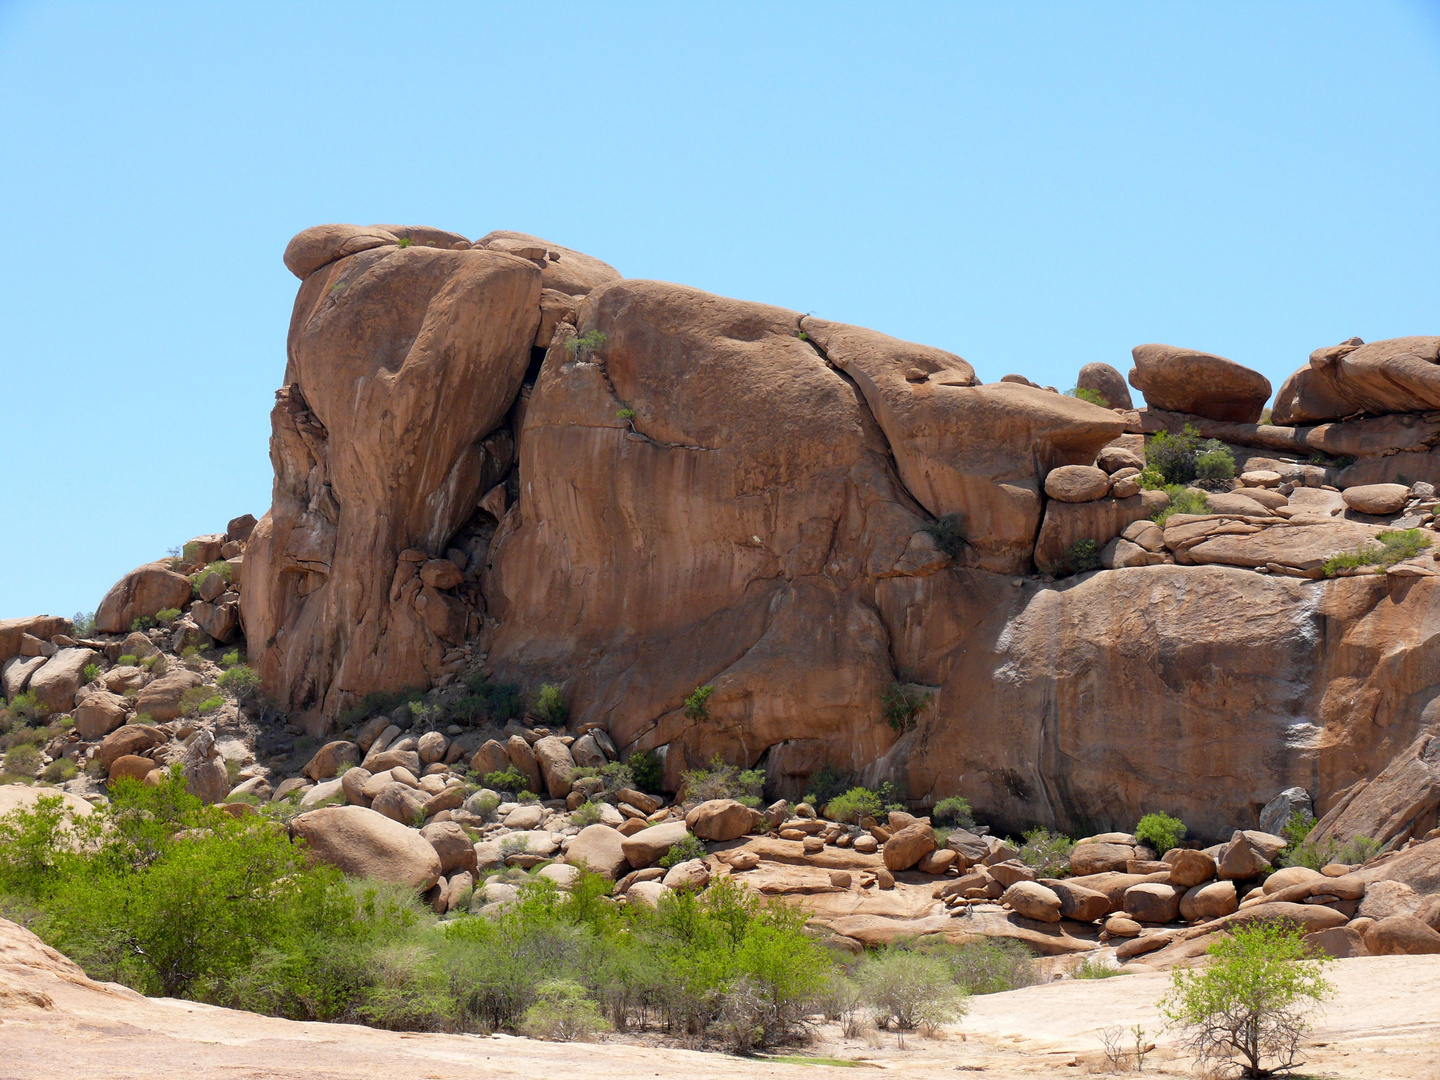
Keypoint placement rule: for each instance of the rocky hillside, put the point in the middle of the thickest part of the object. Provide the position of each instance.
(504, 455)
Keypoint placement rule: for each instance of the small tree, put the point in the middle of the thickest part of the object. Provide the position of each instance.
(910, 990)
(1252, 1003)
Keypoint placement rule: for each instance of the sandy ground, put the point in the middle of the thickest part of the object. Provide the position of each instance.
(55, 1023)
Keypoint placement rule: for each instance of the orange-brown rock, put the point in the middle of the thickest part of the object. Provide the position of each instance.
(1184, 380)
(401, 361)
(1388, 808)
(1398, 375)
(43, 627)
(142, 592)
(1107, 382)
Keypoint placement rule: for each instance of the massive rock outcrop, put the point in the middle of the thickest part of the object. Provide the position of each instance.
(638, 489)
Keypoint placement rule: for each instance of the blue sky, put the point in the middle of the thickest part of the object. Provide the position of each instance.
(1032, 186)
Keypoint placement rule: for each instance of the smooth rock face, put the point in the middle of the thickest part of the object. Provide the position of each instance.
(363, 843)
(55, 683)
(401, 361)
(1108, 383)
(1376, 498)
(1183, 380)
(600, 849)
(144, 591)
(1398, 375)
(1032, 901)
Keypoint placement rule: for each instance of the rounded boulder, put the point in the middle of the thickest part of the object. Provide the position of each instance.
(908, 846)
(1401, 935)
(1031, 900)
(723, 819)
(1376, 498)
(362, 843)
(1077, 483)
(1199, 383)
(1108, 383)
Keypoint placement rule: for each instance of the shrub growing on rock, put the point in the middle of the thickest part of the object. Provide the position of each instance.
(719, 780)
(1251, 1004)
(586, 813)
(954, 812)
(695, 704)
(901, 703)
(1047, 853)
(1352, 852)
(683, 850)
(550, 705)
(1173, 456)
(1396, 545)
(1214, 462)
(1160, 832)
(853, 806)
(508, 779)
(1085, 393)
(948, 532)
(1183, 500)
(167, 616)
(646, 769)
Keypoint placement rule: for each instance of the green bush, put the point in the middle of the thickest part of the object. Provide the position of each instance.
(948, 532)
(550, 705)
(562, 1013)
(501, 701)
(1353, 852)
(646, 770)
(1081, 557)
(1214, 463)
(1096, 969)
(587, 813)
(141, 623)
(719, 780)
(908, 990)
(1251, 1003)
(695, 704)
(1094, 397)
(954, 812)
(901, 703)
(583, 346)
(855, 805)
(22, 760)
(1047, 853)
(166, 616)
(59, 771)
(986, 966)
(23, 710)
(1160, 832)
(507, 779)
(128, 660)
(683, 850)
(90, 673)
(199, 701)
(624, 415)
(1396, 545)
(83, 624)
(1183, 500)
(241, 680)
(231, 658)
(1173, 456)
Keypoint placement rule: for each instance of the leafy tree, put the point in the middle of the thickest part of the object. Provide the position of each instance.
(855, 805)
(908, 989)
(1251, 1004)
(954, 811)
(550, 705)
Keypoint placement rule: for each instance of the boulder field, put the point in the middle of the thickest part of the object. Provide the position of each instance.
(503, 450)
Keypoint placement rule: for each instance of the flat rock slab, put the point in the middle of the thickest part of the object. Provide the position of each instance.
(1304, 547)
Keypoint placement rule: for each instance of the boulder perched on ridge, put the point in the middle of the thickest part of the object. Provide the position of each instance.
(1199, 383)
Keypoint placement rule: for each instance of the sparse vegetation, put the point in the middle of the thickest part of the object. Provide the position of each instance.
(1395, 545)
(23, 709)
(1173, 456)
(1047, 853)
(954, 812)
(1160, 832)
(1096, 969)
(687, 848)
(645, 770)
(127, 660)
(167, 616)
(83, 624)
(59, 771)
(1183, 500)
(1251, 1004)
(1080, 557)
(584, 346)
(509, 779)
(563, 1012)
(719, 780)
(550, 705)
(1094, 397)
(906, 989)
(587, 813)
(948, 532)
(825, 783)
(200, 701)
(90, 673)
(901, 703)
(141, 623)
(695, 704)
(854, 806)
(22, 760)
(625, 415)
(1352, 852)
(241, 680)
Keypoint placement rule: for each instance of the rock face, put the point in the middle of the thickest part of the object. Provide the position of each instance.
(1202, 384)
(634, 489)
(401, 362)
(1400, 375)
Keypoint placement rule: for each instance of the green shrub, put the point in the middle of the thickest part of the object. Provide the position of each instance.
(1094, 397)
(825, 783)
(142, 718)
(908, 989)
(167, 616)
(141, 623)
(1160, 832)
(695, 704)
(22, 760)
(1353, 852)
(23, 709)
(562, 1013)
(241, 680)
(507, 779)
(1297, 829)
(90, 673)
(59, 771)
(625, 415)
(719, 780)
(200, 701)
(948, 532)
(953, 811)
(1251, 1003)
(1096, 969)
(1047, 853)
(1183, 500)
(220, 567)
(501, 701)
(231, 658)
(686, 848)
(647, 770)
(1396, 545)
(550, 705)
(1173, 456)
(127, 660)
(986, 966)
(901, 703)
(583, 346)
(1214, 463)
(1080, 557)
(83, 624)
(855, 805)
(587, 813)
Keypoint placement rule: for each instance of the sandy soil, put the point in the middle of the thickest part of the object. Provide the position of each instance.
(55, 1023)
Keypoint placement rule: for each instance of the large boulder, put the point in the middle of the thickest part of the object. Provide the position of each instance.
(648, 846)
(1401, 935)
(722, 819)
(17, 672)
(402, 360)
(322, 245)
(1376, 498)
(54, 684)
(1153, 902)
(522, 757)
(142, 592)
(160, 699)
(1398, 375)
(362, 843)
(131, 739)
(1209, 901)
(1187, 381)
(599, 849)
(556, 763)
(205, 772)
(98, 714)
(1278, 811)
(1190, 868)
(1077, 483)
(909, 845)
(330, 758)
(452, 844)
(1107, 382)
(44, 627)
(1078, 902)
(1100, 858)
(1031, 900)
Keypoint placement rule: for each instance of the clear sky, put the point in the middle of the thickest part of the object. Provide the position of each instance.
(1032, 186)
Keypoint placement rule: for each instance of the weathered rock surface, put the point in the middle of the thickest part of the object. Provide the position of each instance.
(142, 592)
(1183, 380)
(1398, 375)
(366, 844)
(1108, 383)
(55, 683)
